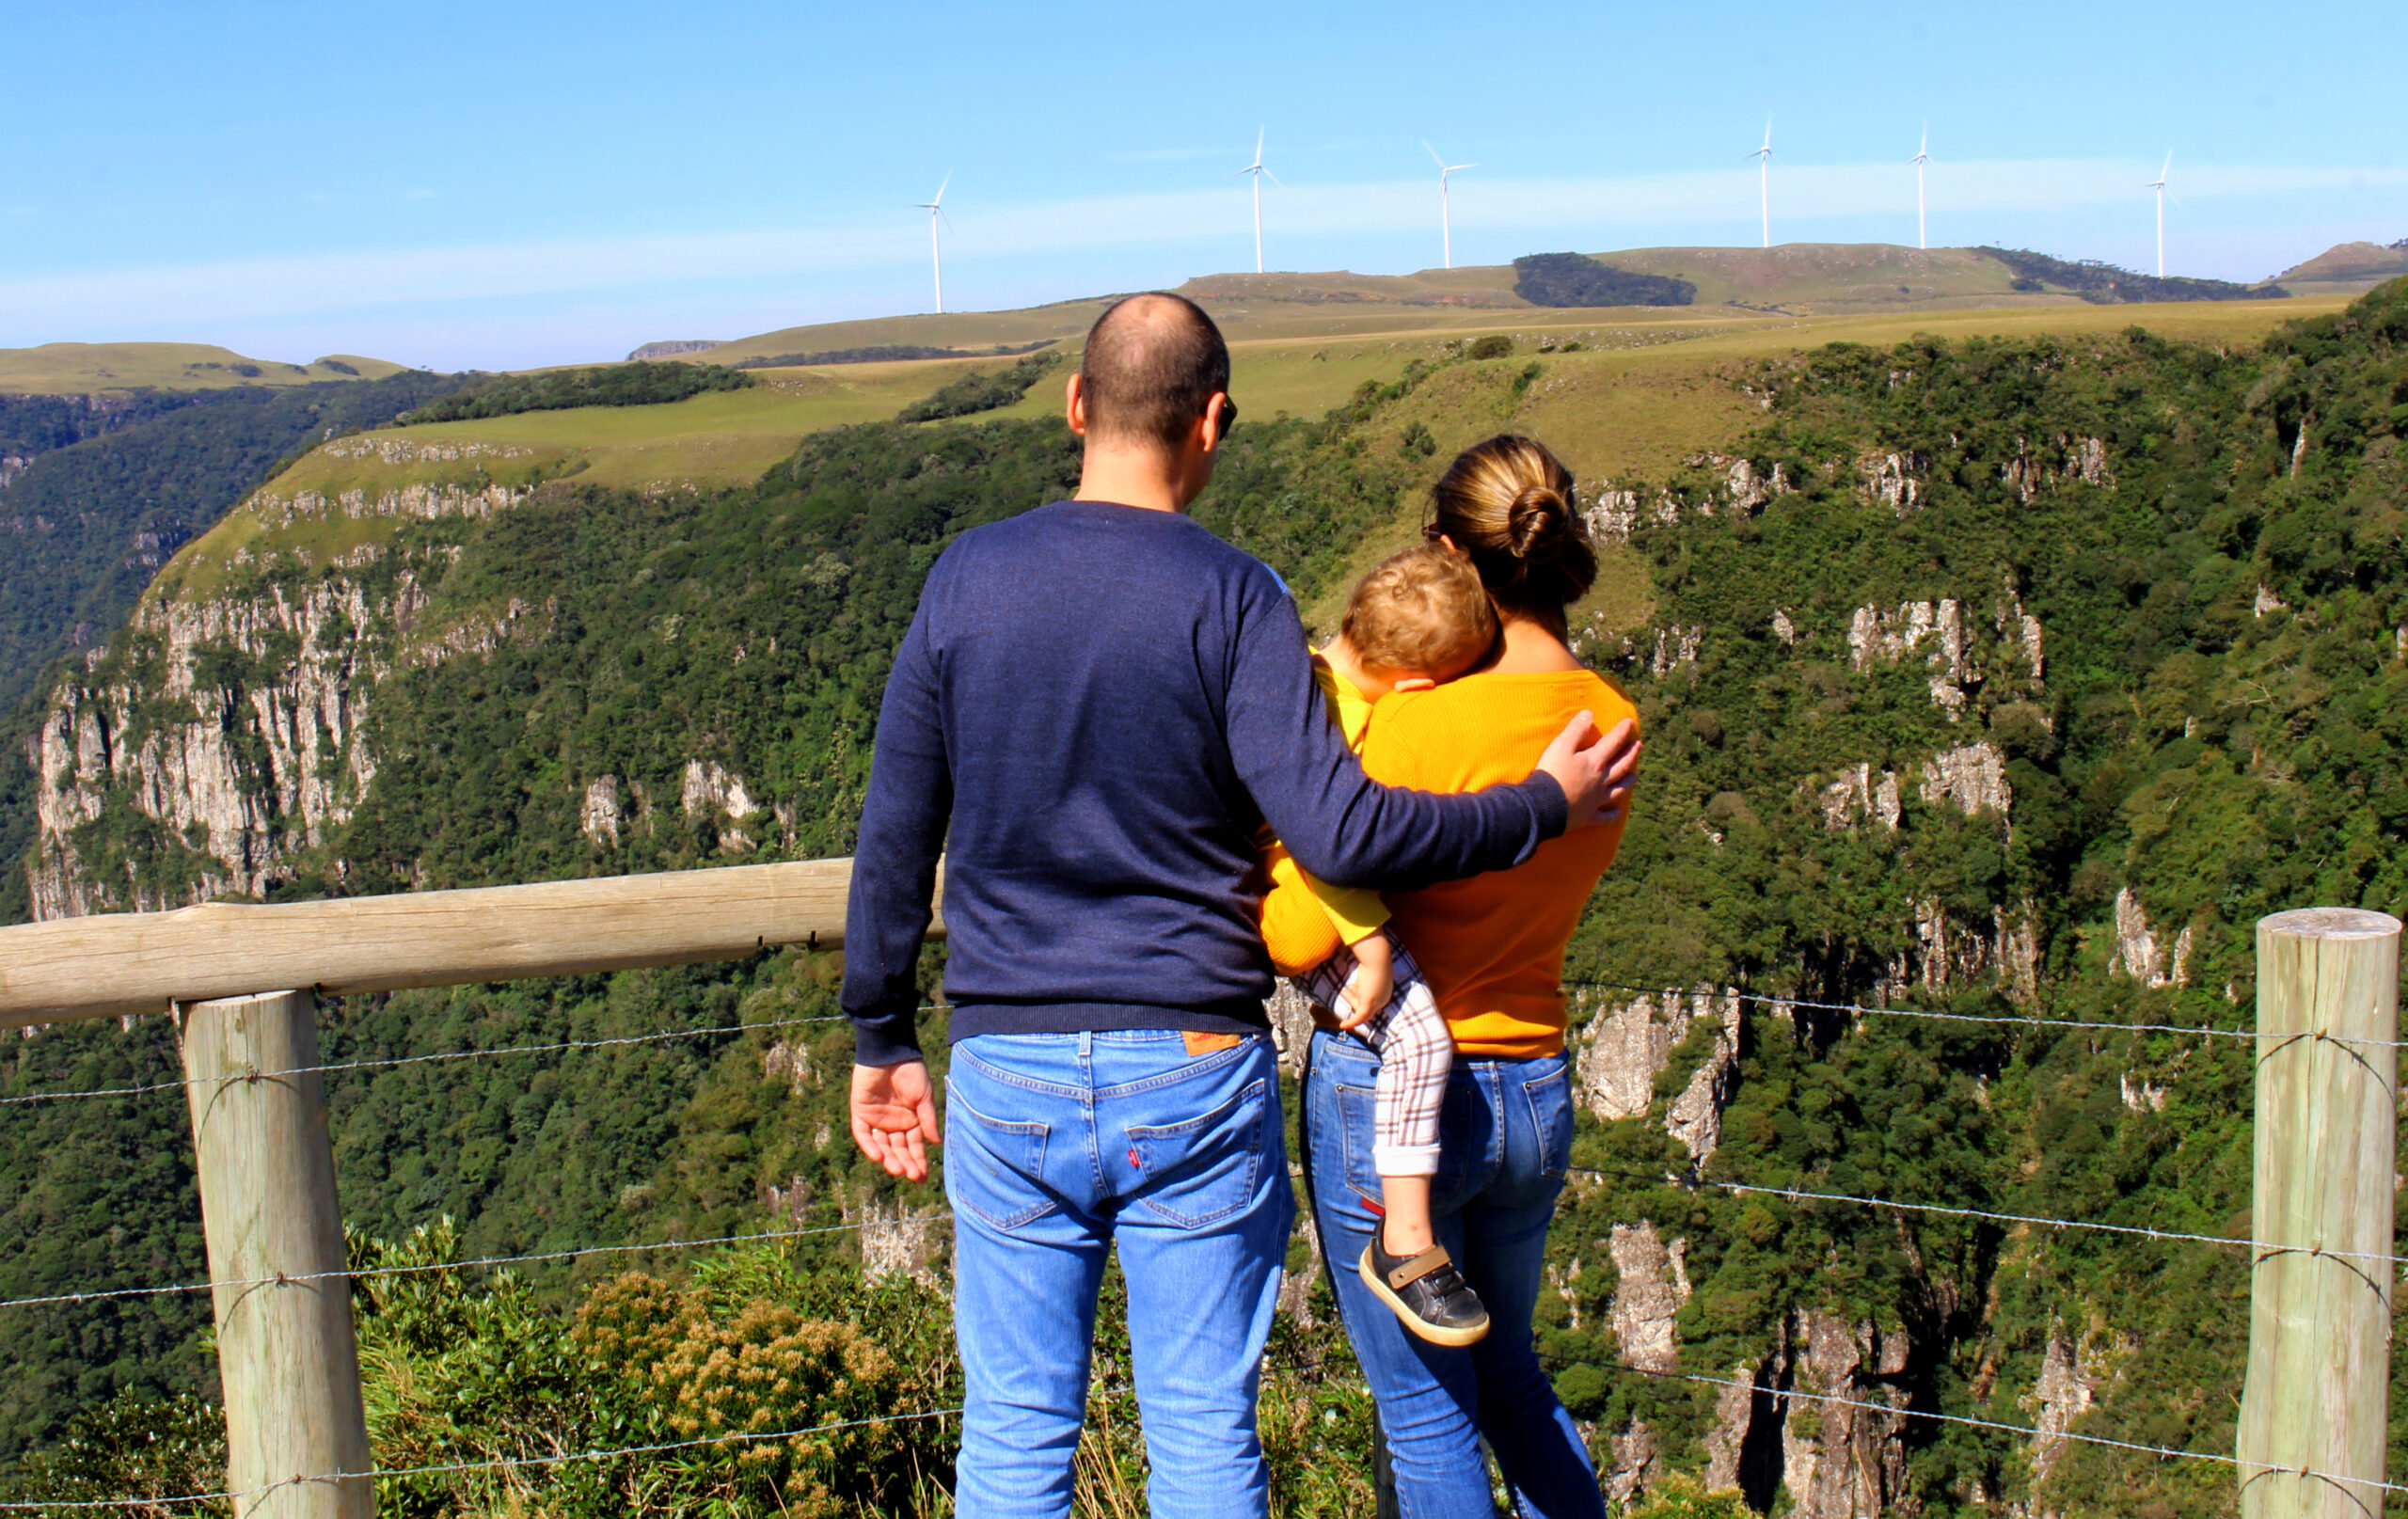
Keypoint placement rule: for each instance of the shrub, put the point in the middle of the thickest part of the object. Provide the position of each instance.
(1576, 279)
(974, 393)
(604, 385)
(135, 1446)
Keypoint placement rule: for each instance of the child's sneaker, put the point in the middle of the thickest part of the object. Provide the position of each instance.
(1427, 1292)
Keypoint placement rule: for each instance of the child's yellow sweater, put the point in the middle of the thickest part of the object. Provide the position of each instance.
(1305, 921)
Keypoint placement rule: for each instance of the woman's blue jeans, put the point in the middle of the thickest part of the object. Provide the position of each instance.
(1505, 1138)
(1060, 1146)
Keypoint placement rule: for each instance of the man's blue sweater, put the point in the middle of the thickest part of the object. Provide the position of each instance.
(1094, 711)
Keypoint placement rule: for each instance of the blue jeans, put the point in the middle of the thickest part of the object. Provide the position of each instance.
(1505, 1138)
(1059, 1147)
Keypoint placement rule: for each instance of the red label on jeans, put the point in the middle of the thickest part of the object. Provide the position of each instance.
(1133, 1159)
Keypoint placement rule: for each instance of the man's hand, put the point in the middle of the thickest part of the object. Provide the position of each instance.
(895, 1118)
(1596, 774)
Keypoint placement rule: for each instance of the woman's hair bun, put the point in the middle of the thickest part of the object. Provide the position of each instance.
(1508, 504)
(1536, 526)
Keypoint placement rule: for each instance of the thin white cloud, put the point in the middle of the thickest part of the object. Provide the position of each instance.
(1165, 155)
(1592, 213)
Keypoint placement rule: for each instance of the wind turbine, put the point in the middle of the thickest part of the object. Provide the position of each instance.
(1257, 169)
(1446, 221)
(1764, 165)
(1923, 156)
(936, 257)
(2158, 186)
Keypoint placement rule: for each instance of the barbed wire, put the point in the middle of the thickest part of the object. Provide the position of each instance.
(289, 1278)
(2208, 1030)
(1799, 1195)
(497, 1462)
(388, 1062)
(2025, 1430)
(2027, 1021)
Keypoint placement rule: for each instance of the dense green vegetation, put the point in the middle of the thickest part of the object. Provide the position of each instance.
(887, 354)
(86, 525)
(974, 393)
(1577, 279)
(32, 425)
(641, 383)
(2104, 284)
(2212, 541)
(2219, 732)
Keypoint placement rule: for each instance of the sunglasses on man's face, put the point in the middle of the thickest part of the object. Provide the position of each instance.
(1229, 418)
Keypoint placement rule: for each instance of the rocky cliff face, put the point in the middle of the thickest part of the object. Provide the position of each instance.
(1820, 1417)
(1655, 1283)
(1627, 1045)
(233, 776)
(220, 735)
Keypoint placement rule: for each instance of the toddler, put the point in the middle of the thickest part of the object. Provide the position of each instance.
(1421, 617)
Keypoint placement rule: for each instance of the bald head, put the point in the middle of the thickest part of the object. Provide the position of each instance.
(1152, 363)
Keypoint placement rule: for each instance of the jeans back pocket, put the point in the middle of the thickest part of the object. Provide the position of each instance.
(1203, 1169)
(994, 1167)
(1550, 1100)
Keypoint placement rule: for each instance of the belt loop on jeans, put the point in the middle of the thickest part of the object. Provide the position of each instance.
(1086, 1043)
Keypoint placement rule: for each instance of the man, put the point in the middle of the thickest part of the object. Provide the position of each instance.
(1098, 706)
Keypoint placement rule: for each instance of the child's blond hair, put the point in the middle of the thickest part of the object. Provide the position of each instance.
(1423, 610)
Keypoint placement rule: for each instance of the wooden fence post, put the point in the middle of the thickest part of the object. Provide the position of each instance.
(286, 1354)
(2319, 1323)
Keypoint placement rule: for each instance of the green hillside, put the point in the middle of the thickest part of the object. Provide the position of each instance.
(1794, 278)
(82, 368)
(2348, 269)
(2010, 669)
(89, 523)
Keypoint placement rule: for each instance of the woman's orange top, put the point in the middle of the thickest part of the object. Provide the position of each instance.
(1492, 946)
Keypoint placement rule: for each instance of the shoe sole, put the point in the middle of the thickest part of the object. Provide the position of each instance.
(1414, 1324)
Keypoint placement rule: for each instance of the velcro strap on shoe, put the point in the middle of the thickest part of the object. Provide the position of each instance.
(1419, 1266)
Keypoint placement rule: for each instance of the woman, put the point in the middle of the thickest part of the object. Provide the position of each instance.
(1492, 948)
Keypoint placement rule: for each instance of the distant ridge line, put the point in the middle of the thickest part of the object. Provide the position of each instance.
(886, 354)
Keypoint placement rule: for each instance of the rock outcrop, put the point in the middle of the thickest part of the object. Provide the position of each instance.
(1616, 510)
(895, 1240)
(709, 790)
(2062, 461)
(1676, 646)
(2137, 953)
(1949, 952)
(1842, 1459)
(2062, 1394)
(1696, 1115)
(1857, 795)
(1971, 778)
(1893, 480)
(1632, 1469)
(1653, 1285)
(1823, 1403)
(1960, 667)
(1750, 1388)
(600, 817)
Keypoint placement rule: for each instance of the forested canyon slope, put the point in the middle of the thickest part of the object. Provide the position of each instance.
(2005, 676)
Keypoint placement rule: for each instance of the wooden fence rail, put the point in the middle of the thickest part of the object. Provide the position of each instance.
(143, 962)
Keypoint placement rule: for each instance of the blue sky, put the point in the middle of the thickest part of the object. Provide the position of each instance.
(508, 183)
